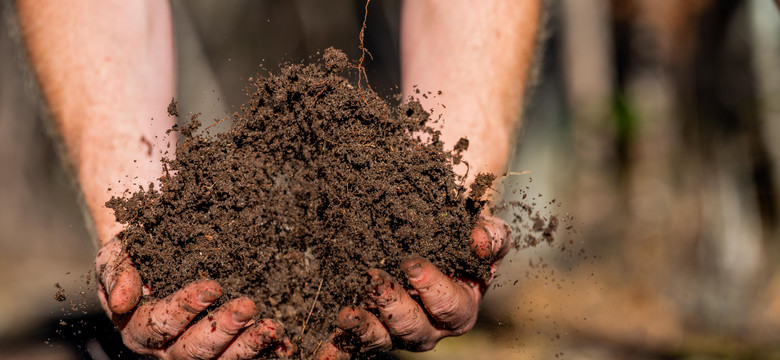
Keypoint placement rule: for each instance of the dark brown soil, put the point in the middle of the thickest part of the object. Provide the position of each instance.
(316, 182)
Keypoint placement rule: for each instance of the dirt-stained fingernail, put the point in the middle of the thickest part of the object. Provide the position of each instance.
(376, 280)
(240, 317)
(413, 269)
(206, 298)
(377, 284)
(112, 286)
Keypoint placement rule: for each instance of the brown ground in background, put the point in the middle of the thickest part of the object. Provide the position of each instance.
(316, 182)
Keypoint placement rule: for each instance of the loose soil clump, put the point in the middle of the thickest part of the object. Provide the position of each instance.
(316, 182)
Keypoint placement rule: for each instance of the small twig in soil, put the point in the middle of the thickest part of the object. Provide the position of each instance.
(317, 295)
(316, 349)
(316, 97)
(138, 211)
(214, 124)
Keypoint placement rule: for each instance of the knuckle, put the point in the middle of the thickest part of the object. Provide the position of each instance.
(381, 344)
(158, 332)
(134, 345)
(196, 352)
(446, 310)
(406, 329)
(255, 343)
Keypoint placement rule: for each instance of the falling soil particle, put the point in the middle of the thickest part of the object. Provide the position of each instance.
(60, 294)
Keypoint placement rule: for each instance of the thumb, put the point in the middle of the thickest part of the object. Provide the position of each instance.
(490, 238)
(119, 279)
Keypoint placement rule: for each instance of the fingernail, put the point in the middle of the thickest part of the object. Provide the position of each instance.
(377, 284)
(376, 280)
(240, 318)
(111, 287)
(413, 270)
(489, 231)
(206, 298)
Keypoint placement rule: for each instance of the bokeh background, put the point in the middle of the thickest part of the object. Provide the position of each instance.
(653, 124)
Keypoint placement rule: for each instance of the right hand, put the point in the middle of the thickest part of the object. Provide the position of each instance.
(162, 327)
(433, 307)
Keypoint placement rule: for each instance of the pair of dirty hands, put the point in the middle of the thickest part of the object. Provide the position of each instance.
(446, 307)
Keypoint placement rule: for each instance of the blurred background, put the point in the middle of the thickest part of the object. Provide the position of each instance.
(653, 124)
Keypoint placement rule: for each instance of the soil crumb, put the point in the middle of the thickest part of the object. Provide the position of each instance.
(60, 294)
(316, 182)
(173, 108)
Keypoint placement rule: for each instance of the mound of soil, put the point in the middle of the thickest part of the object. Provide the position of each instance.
(316, 182)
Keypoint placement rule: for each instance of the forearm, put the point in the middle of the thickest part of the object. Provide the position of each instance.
(479, 54)
(106, 70)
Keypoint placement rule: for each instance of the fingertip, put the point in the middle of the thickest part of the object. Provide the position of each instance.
(489, 238)
(373, 273)
(348, 318)
(380, 285)
(265, 333)
(125, 292)
(424, 276)
(209, 285)
(245, 302)
(285, 349)
(106, 261)
(504, 234)
(376, 278)
(207, 291)
(329, 351)
(480, 241)
(272, 329)
(414, 267)
(243, 309)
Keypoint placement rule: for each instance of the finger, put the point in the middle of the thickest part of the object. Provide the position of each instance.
(329, 351)
(404, 318)
(154, 324)
(209, 336)
(451, 303)
(120, 280)
(365, 329)
(120, 320)
(490, 238)
(255, 339)
(284, 348)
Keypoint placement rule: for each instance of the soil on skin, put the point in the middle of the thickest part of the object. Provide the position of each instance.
(316, 182)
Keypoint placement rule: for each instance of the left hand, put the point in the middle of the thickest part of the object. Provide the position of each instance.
(165, 329)
(446, 306)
